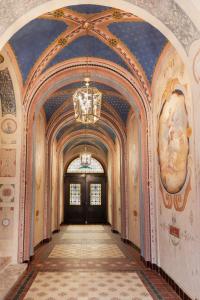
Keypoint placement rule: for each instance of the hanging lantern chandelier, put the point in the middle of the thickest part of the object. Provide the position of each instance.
(87, 103)
(85, 158)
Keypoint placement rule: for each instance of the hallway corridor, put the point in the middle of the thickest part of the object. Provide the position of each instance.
(88, 262)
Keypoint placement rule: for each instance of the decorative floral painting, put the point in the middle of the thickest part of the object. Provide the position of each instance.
(173, 142)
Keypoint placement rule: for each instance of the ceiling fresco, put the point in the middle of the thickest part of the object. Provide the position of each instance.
(30, 41)
(143, 40)
(87, 46)
(77, 126)
(88, 9)
(88, 31)
(65, 94)
(82, 141)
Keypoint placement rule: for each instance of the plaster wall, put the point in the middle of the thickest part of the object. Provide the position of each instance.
(133, 181)
(110, 189)
(178, 253)
(61, 190)
(10, 157)
(117, 187)
(39, 179)
(54, 189)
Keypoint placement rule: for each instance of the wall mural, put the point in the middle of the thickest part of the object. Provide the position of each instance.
(7, 193)
(6, 222)
(7, 96)
(173, 147)
(9, 126)
(7, 162)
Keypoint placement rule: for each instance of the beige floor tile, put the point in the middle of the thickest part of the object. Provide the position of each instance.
(85, 236)
(86, 251)
(87, 285)
(85, 228)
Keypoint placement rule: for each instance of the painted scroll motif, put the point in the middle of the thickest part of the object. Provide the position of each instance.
(7, 162)
(173, 147)
(173, 142)
(7, 96)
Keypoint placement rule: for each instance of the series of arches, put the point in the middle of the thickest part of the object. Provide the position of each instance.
(143, 104)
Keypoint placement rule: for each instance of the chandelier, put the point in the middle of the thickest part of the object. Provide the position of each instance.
(87, 103)
(85, 158)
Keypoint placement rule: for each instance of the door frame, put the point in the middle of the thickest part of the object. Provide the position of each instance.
(79, 177)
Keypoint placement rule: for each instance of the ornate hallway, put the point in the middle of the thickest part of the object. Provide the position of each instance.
(89, 262)
(99, 124)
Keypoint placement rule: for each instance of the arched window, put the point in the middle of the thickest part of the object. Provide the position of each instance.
(76, 167)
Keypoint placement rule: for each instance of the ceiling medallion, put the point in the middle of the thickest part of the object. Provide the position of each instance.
(58, 13)
(87, 26)
(87, 103)
(117, 14)
(62, 42)
(113, 42)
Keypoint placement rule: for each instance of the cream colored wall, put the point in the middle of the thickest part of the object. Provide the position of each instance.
(117, 187)
(61, 192)
(133, 181)
(110, 188)
(11, 170)
(54, 188)
(178, 257)
(39, 178)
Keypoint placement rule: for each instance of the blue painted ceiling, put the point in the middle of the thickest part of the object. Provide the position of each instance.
(87, 46)
(122, 107)
(78, 126)
(142, 39)
(30, 41)
(88, 9)
(65, 94)
(145, 41)
(81, 141)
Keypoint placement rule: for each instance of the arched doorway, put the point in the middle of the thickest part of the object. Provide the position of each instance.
(85, 193)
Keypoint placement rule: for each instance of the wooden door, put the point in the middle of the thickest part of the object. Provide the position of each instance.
(74, 191)
(85, 199)
(96, 199)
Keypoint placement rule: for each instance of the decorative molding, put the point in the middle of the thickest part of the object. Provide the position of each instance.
(7, 95)
(196, 67)
(7, 162)
(9, 126)
(174, 18)
(168, 12)
(7, 193)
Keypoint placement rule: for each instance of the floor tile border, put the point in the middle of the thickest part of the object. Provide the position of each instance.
(25, 285)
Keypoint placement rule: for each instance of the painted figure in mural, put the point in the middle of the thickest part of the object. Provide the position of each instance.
(173, 142)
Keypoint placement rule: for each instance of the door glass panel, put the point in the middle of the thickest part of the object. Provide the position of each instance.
(75, 194)
(95, 194)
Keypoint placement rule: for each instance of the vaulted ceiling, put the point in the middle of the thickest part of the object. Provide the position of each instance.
(87, 31)
(105, 25)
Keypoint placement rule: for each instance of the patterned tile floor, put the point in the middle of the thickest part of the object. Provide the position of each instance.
(90, 285)
(85, 250)
(85, 228)
(95, 268)
(85, 236)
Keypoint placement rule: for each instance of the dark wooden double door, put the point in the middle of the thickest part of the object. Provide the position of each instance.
(85, 199)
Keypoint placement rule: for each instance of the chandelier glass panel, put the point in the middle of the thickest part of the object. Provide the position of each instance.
(87, 103)
(85, 159)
